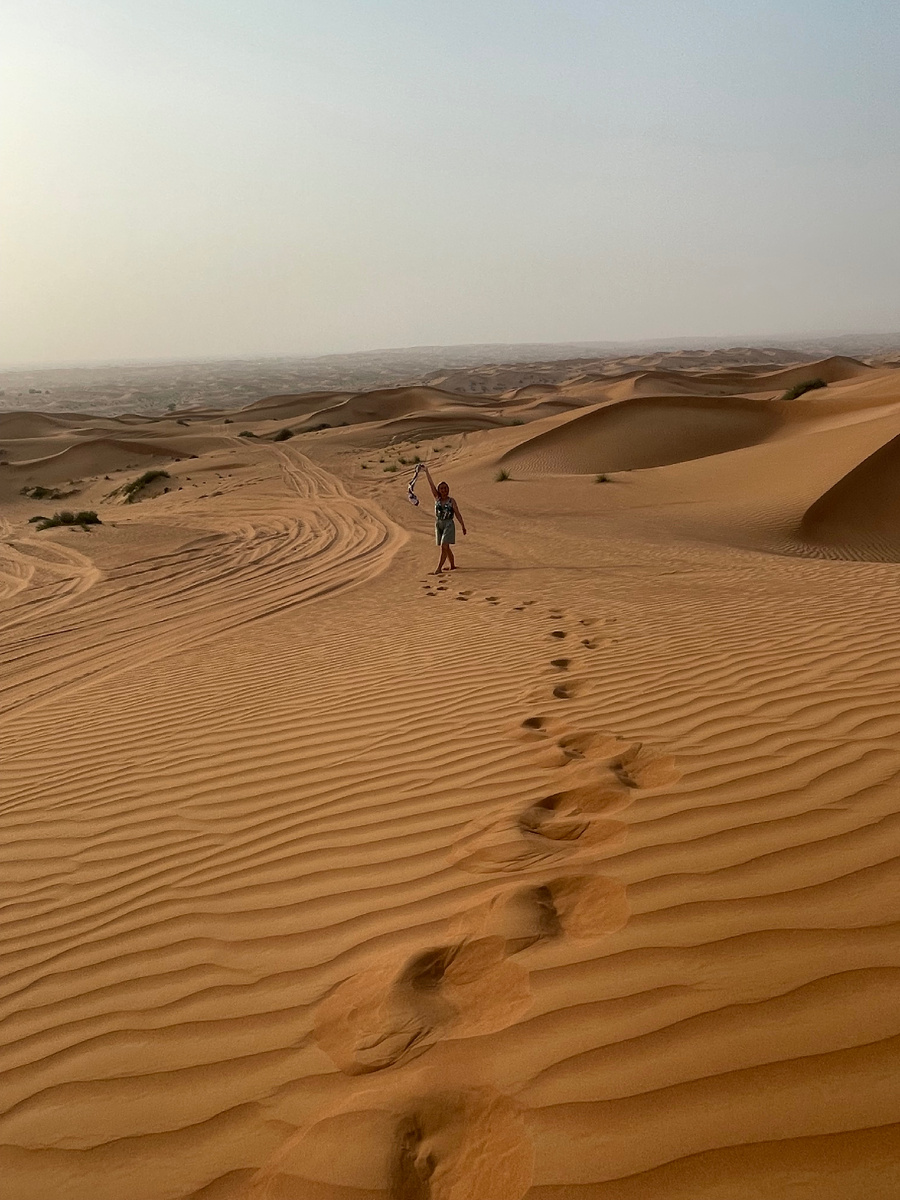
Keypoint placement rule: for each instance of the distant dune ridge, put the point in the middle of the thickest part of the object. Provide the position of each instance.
(567, 876)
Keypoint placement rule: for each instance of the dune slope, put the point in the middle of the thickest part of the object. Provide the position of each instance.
(641, 432)
(862, 511)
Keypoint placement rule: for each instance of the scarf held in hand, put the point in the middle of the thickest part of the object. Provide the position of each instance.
(411, 489)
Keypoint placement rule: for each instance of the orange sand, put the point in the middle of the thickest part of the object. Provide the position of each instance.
(571, 876)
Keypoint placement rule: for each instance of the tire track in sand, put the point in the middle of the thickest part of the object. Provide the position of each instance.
(92, 621)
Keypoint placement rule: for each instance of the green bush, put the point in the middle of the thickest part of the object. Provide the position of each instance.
(808, 385)
(391, 468)
(602, 479)
(501, 477)
(84, 518)
(130, 490)
(246, 433)
(282, 435)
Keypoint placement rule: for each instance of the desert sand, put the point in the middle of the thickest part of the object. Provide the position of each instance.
(571, 875)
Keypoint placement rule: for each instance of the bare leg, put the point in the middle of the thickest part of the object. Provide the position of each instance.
(444, 552)
(451, 558)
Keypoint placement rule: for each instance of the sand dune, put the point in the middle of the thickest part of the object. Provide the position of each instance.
(862, 511)
(641, 433)
(571, 876)
(32, 424)
(832, 370)
(386, 404)
(95, 457)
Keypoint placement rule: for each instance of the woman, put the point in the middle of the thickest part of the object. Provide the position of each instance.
(445, 509)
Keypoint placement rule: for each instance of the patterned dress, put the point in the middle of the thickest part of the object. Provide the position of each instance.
(444, 525)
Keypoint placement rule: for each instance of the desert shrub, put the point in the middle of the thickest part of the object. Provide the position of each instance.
(392, 467)
(501, 477)
(42, 493)
(34, 520)
(808, 385)
(602, 479)
(84, 518)
(228, 421)
(517, 421)
(416, 458)
(282, 435)
(246, 433)
(130, 490)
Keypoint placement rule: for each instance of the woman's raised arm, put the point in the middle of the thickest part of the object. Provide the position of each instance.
(434, 490)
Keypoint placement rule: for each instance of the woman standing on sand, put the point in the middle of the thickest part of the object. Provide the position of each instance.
(445, 509)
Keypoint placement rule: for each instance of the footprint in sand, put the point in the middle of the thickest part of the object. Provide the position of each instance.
(568, 689)
(631, 763)
(640, 768)
(582, 907)
(547, 831)
(558, 633)
(457, 1146)
(492, 599)
(561, 664)
(393, 1012)
(411, 1140)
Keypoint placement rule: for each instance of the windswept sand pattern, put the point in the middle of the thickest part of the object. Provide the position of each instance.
(192, 592)
(397, 894)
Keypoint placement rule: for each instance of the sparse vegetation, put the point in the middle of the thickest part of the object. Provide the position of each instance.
(808, 385)
(246, 433)
(84, 518)
(282, 435)
(392, 467)
(602, 479)
(501, 477)
(130, 490)
(43, 493)
(517, 421)
(228, 421)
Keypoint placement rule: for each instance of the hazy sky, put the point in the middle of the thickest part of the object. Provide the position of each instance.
(209, 177)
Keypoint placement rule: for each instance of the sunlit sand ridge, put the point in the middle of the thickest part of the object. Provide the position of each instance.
(568, 876)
